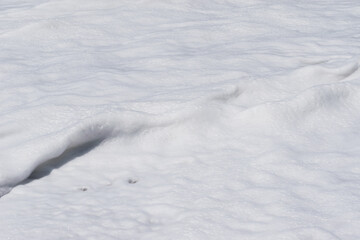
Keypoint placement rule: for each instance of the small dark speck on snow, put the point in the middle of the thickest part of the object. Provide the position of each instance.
(132, 181)
(84, 189)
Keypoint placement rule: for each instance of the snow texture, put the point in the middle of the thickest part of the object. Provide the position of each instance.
(191, 119)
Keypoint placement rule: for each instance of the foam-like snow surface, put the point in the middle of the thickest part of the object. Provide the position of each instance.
(216, 119)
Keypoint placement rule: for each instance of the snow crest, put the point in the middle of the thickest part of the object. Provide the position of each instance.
(23, 160)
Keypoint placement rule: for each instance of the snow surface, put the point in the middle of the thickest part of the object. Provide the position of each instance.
(191, 119)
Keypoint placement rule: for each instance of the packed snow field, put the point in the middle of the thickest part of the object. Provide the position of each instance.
(191, 119)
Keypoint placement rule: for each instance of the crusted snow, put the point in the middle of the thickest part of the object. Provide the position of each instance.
(192, 119)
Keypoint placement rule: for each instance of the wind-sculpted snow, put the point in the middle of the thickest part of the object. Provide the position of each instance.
(23, 160)
(179, 119)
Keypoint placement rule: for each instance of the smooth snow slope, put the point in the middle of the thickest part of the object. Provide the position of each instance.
(216, 119)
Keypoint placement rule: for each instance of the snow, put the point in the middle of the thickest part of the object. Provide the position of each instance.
(216, 119)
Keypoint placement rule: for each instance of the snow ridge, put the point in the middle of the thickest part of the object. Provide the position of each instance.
(24, 161)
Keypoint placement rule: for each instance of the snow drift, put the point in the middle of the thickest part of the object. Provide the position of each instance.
(179, 119)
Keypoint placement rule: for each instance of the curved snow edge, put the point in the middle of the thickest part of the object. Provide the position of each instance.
(27, 158)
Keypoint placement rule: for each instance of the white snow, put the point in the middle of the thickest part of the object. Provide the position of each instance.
(192, 119)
